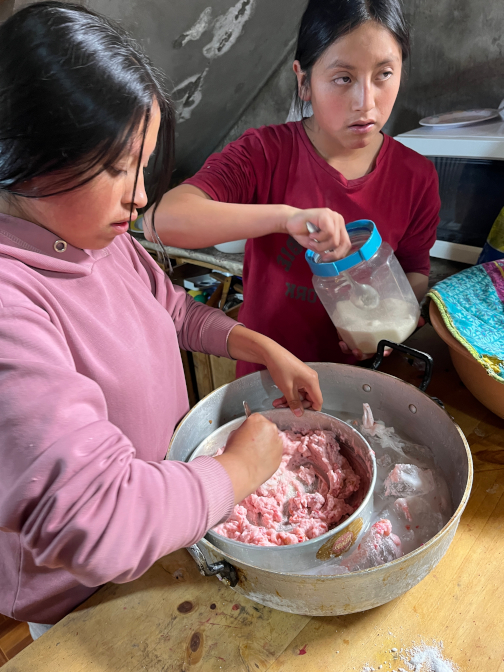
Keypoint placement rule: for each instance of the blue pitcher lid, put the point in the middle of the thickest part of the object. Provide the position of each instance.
(365, 241)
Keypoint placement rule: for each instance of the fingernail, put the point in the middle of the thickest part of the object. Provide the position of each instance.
(298, 412)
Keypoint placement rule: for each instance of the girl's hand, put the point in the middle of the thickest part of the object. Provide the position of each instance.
(331, 242)
(253, 453)
(298, 382)
(358, 354)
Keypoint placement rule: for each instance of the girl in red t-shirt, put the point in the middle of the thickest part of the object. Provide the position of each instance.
(330, 168)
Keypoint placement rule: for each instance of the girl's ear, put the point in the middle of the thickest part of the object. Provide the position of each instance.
(302, 81)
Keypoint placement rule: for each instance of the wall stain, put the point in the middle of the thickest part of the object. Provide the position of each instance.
(196, 30)
(228, 28)
(187, 95)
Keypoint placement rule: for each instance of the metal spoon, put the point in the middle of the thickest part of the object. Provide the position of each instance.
(362, 296)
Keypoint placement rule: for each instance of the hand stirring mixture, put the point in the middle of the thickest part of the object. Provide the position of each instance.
(309, 493)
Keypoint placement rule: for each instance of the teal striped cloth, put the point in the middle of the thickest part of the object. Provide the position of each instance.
(471, 304)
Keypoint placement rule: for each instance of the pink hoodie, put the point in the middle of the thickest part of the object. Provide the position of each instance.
(91, 389)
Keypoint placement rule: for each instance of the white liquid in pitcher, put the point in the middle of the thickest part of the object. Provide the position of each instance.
(362, 329)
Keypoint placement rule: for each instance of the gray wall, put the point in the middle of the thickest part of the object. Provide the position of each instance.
(272, 103)
(217, 55)
(6, 8)
(457, 59)
(230, 61)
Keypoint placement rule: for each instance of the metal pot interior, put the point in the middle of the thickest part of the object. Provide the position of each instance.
(353, 446)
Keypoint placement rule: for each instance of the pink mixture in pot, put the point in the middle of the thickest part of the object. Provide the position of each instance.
(305, 497)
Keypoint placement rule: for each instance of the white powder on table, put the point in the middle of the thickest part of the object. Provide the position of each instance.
(420, 658)
(425, 658)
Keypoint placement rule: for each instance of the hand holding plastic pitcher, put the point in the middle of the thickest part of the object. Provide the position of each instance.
(372, 264)
(327, 235)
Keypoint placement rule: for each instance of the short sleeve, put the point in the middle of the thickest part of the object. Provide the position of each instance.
(414, 247)
(238, 173)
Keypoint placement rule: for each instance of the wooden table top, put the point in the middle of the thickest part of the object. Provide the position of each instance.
(172, 618)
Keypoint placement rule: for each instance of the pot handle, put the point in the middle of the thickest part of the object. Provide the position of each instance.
(427, 359)
(418, 354)
(225, 571)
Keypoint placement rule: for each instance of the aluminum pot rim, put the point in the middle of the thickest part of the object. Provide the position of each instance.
(311, 364)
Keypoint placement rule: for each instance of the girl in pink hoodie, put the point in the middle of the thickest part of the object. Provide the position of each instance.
(91, 379)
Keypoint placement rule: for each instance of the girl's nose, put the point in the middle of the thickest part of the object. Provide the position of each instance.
(364, 97)
(139, 198)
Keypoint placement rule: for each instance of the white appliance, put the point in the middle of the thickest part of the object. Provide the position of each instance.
(470, 164)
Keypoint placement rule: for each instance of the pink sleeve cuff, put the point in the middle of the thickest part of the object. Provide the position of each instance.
(215, 333)
(218, 489)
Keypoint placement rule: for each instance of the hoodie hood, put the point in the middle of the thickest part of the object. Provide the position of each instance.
(35, 246)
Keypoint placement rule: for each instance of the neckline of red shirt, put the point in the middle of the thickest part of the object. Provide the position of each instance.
(350, 185)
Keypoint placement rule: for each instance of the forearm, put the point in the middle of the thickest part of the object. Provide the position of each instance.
(250, 346)
(187, 217)
(297, 381)
(419, 283)
(179, 503)
(239, 474)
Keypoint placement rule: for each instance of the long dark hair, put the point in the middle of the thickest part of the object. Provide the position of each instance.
(325, 21)
(75, 89)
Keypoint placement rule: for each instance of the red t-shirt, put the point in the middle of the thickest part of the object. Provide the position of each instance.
(278, 164)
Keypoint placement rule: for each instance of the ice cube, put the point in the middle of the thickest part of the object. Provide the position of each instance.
(326, 569)
(422, 516)
(408, 479)
(367, 417)
(384, 461)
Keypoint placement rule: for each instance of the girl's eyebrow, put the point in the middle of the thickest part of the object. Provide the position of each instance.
(391, 59)
(346, 66)
(339, 64)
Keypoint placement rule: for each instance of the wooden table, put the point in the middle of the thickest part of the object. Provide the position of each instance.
(174, 619)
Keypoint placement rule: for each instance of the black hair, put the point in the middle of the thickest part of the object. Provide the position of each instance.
(75, 89)
(325, 21)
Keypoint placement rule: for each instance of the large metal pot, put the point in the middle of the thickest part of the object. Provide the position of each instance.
(411, 412)
(301, 556)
